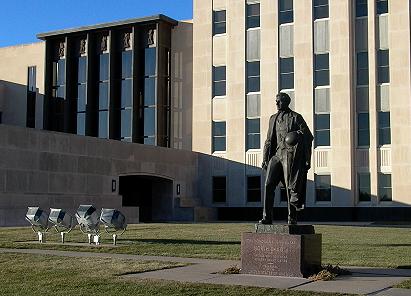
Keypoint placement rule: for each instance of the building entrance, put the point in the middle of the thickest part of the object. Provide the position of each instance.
(153, 195)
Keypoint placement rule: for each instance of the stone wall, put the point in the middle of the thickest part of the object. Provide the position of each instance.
(48, 169)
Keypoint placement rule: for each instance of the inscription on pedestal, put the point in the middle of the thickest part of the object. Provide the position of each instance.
(280, 254)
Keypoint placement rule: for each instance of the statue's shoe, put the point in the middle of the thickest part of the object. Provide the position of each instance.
(265, 221)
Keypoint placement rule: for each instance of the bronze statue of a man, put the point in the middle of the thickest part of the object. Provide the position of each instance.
(286, 158)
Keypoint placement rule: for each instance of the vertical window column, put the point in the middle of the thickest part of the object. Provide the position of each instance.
(58, 87)
(31, 97)
(103, 90)
(150, 95)
(253, 76)
(81, 90)
(126, 104)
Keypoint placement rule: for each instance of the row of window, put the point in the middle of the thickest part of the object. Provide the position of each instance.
(286, 13)
(322, 188)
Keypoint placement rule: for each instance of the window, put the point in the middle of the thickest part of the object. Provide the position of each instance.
(31, 97)
(81, 94)
(286, 73)
(219, 22)
(320, 9)
(219, 136)
(322, 187)
(103, 96)
(286, 11)
(219, 189)
(253, 77)
(361, 8)
(362, 68)
(382, 6)
(253, 44)
(322, 130)
(383, 64)
(321, 69)
(126, 100)
(253, 15)
(253, 133)
(254, 189)
(384, 128)
(363, 130)
(384, 187)
(219, 81)
(364, 187)
(150, 96)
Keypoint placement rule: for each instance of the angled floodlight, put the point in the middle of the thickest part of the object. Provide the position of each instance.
(114, 222)
(61, 221)
(38, 219)
(87, 218)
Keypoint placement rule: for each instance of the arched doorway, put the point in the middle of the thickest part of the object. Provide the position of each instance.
(152, 194)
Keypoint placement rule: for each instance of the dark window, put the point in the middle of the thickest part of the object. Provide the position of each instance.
(219, 22)
(104, 67)
(150, 61)
(126, 93)
(219, 136)
(287, 73)
(384, 187)
(253, 77)
(363, 129)
(103, 124)
(362, 68)
(253, 188)
(361, 8)
(321, 69)
(127, 64)
(253, 15)
(219, 81)
(286, 14)
(382, 6)
(320, 9)
(81, 124)
(322, 130)
(81, 98)
(82, 69)
(31, 97)
(383, 64)
(322, 187)
(103, 96)
(364, 187)
(149, 91)
(126, 124)
(253, 133)
(384, 128)
(219, 189)
(149, 121)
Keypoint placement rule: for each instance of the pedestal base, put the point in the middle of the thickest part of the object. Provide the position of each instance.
(281, 254)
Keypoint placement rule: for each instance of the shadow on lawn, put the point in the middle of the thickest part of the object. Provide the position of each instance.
(183, 241)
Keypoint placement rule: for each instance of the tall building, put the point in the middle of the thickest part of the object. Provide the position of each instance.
(207, 88)
(346, 65)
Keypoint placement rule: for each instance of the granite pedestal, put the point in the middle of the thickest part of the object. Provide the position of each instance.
(281, 250)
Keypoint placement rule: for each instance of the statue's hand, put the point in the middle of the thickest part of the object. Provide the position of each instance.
(264, 165)
(307, 166)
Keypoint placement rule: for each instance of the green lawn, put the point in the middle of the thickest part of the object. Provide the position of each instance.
(342, 245)
(404, 285)
(23, 274)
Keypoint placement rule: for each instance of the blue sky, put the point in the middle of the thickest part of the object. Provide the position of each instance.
(21, 20)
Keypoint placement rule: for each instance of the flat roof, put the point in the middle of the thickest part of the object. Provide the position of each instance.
(158, 17)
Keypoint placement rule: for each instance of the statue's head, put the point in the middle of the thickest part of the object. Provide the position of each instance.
(282, 101)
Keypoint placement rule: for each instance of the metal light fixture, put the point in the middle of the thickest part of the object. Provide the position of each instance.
(38, 219)
(87, 218)
(114, 222)
(61, 221)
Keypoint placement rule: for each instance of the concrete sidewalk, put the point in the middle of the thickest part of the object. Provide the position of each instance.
(364, 281)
